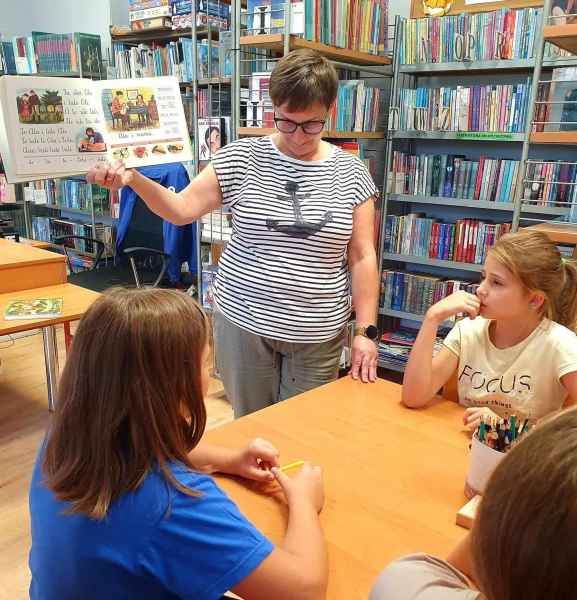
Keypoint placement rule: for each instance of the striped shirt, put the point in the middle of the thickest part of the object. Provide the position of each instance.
(284, 273)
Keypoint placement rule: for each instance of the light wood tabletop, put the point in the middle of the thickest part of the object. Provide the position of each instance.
(394, 477)
(76, 301)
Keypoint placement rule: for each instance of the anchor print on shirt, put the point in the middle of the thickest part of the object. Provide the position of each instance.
(299, 228)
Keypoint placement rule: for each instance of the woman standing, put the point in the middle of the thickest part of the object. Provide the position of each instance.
(303, 223)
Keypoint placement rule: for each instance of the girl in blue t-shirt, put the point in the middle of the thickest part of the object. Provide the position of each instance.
(121, 502)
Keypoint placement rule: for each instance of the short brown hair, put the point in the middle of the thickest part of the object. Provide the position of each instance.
(524, 541)
(535, 260)
(303, 78)
(130, 397)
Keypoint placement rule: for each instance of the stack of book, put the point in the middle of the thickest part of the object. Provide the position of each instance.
(500, 35)
(415, 293)
(149, 14)
(466, 240)
(454, 176)
(52, 53)
(395, 348)
(212, 12)
(498, 108)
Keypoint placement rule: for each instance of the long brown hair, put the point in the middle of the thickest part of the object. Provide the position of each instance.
(130, 397)
(535, 260)
(524, 541)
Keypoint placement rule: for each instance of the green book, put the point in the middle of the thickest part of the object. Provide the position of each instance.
(37, 308)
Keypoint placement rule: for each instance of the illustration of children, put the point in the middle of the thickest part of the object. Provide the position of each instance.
(24, 108)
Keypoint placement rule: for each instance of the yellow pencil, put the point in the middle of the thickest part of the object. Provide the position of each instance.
(292, 465)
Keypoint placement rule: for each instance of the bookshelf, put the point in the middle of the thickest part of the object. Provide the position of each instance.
(562, 36)
(555, 166)
(278, 43)
(163, 34)
(511, 147)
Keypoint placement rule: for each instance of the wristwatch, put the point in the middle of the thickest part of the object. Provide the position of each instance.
(369, 331)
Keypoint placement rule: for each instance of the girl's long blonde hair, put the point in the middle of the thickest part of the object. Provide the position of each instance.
(535, 260)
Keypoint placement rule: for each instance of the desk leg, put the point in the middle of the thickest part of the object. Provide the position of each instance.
(51, 362)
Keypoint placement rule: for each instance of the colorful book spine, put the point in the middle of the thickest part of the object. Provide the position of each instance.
(480, 108)
(466, 240)
(453, 176)
(415, 293)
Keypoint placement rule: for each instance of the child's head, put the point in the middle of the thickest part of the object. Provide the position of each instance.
(549, 282)
(130, 397)
(524, 541)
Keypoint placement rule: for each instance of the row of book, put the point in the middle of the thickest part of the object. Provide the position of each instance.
(356, 108)
(454, 176)
(174, 58)
(73, 194)
(545, 183)
(499, 35)
(355, 24)
(496, 108)
(556, 103)
(415, 293)
(48, 229)
(52, 53)
(551, 183)
(466, 240)
(395, 347)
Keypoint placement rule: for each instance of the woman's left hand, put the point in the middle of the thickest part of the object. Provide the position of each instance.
(255, 461)
(364, 359)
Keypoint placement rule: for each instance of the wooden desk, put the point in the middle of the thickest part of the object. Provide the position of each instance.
(394, 477)
(76, 302)
(36, 243)
(23, 267)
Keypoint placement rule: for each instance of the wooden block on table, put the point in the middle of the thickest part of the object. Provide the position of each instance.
(466, 515)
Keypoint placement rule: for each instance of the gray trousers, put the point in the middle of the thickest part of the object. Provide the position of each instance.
(257, 371)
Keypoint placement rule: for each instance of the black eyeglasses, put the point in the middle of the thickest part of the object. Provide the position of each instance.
(288, 126)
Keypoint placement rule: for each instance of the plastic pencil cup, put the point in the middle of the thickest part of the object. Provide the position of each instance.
(482, 462)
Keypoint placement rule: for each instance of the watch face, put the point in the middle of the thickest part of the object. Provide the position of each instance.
(371, 332)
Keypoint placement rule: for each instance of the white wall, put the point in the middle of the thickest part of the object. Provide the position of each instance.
(399, 7)
(20, 17)
(119, 12)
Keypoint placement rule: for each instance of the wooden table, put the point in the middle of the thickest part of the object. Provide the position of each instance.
(23, 267)
(394, 477)
(36, 243)
(76, 302)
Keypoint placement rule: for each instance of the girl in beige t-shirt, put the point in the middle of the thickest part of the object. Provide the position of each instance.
(517, 351)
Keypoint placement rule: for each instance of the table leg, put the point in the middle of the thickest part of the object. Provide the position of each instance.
(51, 362)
